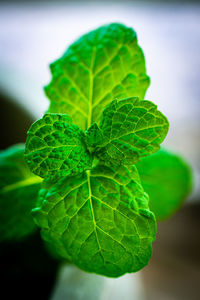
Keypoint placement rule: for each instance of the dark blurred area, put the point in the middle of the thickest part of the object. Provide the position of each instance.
(174, 270)
(28, 272)
(14, 122)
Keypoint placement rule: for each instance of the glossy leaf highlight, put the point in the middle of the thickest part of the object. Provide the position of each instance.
(103, 64)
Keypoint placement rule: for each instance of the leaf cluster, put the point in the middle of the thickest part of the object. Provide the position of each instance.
(92, 207)
(86, 151)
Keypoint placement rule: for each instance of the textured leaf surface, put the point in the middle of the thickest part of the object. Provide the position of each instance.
(129, 129)
(101, 219)
(101, 65)
(55, 146)
(167, 179)
(18, 194)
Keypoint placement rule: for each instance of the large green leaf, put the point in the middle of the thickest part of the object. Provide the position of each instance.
(129, 129)
(55, 147)
(166, 177)
(100, 218)
(101, 65)
(18, 194)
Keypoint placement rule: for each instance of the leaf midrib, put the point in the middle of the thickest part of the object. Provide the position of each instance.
(91, 205)
(135, 131)
(91, 89)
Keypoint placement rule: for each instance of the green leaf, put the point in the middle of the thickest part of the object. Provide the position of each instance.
(100, 218)
(101, 65)
(94, 137)
(56, 147)
(129, 129)
(166, 177)
(18, 194)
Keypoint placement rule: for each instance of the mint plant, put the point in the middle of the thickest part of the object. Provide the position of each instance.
(92, 203)
(87, 150)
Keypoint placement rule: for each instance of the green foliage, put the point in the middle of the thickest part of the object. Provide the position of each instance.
(102, 65)
(166, 177)
(129, 129)
(92, 219)
(92, 208)
(18, 193)
(101, 218)
(56, 147)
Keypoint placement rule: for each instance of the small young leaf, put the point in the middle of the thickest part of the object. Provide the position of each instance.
(129, 129)
(167, 179)
(94, 137)
(103, 64)
(55, 147)
(18, 194)
(100, 218)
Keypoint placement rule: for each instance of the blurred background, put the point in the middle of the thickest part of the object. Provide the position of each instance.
(35, 33)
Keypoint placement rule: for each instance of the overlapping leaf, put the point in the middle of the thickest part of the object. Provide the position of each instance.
(100, 218)
(104, 64)
(18, 194)
(166, 178)
(92, 208)
(129, 129)
(56, 147)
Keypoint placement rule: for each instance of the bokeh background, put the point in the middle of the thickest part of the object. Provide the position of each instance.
(35, 33)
